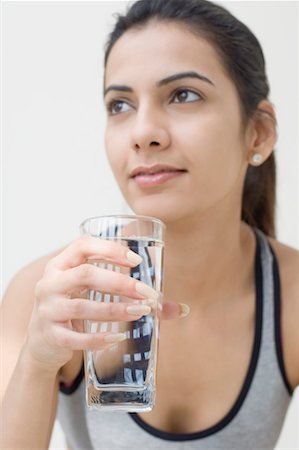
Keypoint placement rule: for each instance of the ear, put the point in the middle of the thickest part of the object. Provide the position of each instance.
(262, 134)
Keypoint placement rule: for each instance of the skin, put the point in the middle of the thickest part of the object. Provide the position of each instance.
(199, 130)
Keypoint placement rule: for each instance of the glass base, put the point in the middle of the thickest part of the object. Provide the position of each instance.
(119, 400)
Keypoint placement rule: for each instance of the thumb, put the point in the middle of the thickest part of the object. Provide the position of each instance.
(173, 310)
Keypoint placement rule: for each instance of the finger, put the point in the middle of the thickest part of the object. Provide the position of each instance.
(95, 278)
(88, 247)
(73, 340)
(95, 311)
(172, 310)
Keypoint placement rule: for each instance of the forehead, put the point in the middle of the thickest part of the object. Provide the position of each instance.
(159, 49)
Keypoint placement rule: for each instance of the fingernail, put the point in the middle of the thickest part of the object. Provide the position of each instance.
(116, 337)
(184, 310)
(139, 310)
(147, 291)
(133, 257)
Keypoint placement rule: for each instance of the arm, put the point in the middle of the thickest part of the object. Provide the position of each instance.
(43, 317)
(29, 407)
(28, 395)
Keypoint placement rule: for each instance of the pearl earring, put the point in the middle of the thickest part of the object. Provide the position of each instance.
(256, 159)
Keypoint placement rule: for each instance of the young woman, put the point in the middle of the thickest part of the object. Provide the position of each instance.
(190, 137)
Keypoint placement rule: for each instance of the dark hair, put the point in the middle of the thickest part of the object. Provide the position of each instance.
(243, 60)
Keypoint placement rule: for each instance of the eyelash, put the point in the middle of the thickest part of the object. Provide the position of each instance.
(112, 102)
(191, 91)
(110, 105)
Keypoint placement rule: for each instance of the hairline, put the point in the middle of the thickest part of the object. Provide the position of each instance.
(199, 33)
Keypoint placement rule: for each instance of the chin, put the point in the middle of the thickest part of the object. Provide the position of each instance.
(166, 213)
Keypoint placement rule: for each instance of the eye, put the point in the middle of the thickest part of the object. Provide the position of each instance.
(118, 106)
(186, 96)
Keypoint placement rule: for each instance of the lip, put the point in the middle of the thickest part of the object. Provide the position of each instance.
(149, 176)
(154, 169)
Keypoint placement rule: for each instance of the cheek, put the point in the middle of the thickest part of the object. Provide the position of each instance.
(213, 151)
(212, 138)
(114, 152)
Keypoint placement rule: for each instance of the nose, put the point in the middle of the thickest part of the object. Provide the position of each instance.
(149, 132)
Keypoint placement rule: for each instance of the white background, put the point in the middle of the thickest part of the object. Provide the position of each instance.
(55, 170)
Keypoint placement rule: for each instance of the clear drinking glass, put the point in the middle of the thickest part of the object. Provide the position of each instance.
(123, 376)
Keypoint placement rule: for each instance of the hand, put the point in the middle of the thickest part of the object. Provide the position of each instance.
(56, 324)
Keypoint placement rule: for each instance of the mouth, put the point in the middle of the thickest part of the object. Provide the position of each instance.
(148, 176)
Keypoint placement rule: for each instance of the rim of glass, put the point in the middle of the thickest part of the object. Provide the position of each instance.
(125, 216)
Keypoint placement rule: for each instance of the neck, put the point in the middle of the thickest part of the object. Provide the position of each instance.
(208, 262)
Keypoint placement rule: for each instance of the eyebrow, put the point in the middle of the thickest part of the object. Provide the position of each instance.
(163, 82)
(181, 75)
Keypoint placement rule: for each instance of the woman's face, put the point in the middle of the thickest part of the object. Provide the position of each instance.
(171, 103)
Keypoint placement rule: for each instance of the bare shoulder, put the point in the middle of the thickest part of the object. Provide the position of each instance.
(288, 258)
(288, 262)
(18, 299)
(29, 275)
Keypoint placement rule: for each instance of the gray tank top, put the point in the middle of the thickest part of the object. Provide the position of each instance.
(254, 420)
